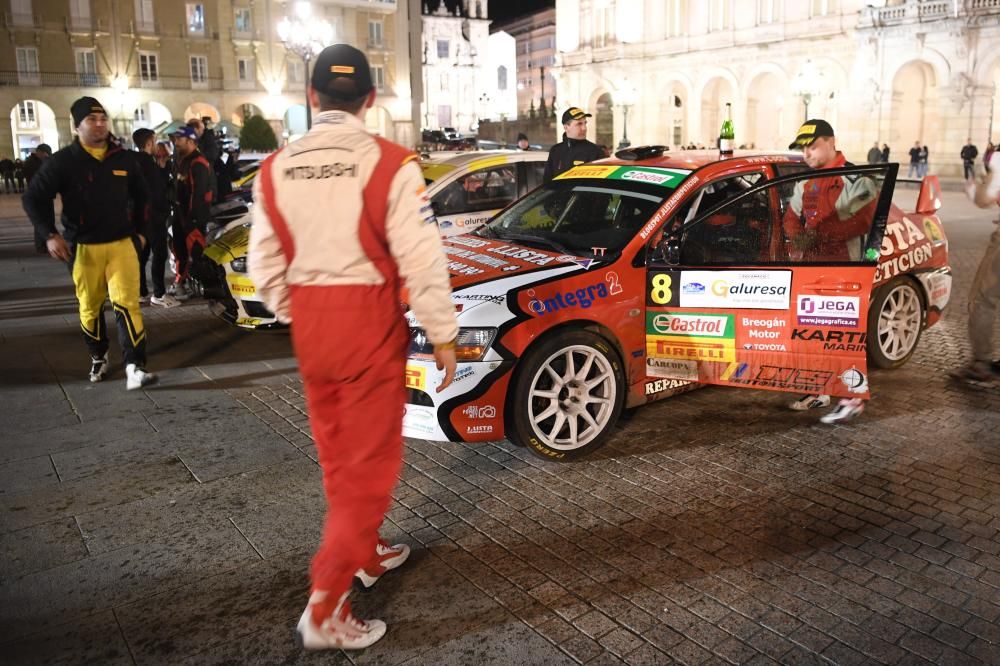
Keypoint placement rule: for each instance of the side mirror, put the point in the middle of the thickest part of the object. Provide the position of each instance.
(667, 251)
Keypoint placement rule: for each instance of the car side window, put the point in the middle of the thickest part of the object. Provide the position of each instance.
(727, 223)
(829, 219)
(535, 171)
(485, 189)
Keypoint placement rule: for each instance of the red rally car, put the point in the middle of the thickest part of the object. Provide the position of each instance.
(649, 274)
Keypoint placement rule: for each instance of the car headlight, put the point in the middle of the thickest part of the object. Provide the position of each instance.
(239, 264)
(471, 344)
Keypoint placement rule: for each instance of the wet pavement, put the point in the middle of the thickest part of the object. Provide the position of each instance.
(175, 524)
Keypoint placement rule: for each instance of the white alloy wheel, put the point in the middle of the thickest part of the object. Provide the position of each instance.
(893, 336)
(572, 397)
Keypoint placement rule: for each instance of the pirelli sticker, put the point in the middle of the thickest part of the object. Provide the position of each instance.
(652, 175)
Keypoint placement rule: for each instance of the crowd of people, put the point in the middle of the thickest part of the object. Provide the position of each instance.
(124, 210)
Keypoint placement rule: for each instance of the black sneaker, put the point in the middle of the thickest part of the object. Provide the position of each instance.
(98, 367)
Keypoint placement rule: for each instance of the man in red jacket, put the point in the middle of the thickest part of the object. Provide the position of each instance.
(826, 221)
(194, 198)
(827, 217)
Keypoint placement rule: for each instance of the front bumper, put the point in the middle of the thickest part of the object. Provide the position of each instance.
(462, 412)
(232, 296)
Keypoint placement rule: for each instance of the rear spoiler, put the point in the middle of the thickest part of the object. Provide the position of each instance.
(929, 199)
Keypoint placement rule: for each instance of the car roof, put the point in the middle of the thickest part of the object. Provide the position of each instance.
(466, 157)
(696, 159)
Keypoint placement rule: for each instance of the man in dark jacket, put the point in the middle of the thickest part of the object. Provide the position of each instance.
(31, 167)
(7, 172)
(194, 198)
(968, 155)
(159, 211)
(104, 218)
(574, 149)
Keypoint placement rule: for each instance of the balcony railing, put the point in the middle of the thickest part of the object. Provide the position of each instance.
(924, 11)
(386, 6)
(12, 78)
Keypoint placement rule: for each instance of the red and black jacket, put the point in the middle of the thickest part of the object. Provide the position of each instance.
(194, 191)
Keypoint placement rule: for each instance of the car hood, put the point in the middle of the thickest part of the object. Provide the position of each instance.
(475, 261)
(230, 245)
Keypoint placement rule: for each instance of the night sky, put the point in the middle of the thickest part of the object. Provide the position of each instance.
(504, 10)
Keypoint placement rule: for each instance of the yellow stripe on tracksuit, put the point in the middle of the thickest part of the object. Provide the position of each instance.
(108, 270)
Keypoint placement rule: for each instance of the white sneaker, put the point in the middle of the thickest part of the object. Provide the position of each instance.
(386, 558)
(847, 409)
(165, 301)
(98, 367)
(810, 401)
(340, 631)
(144, 299)
(136, 377)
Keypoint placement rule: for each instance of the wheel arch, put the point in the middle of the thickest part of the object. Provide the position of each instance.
(574, 325)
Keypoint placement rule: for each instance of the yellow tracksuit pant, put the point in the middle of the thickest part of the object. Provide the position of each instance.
(110, 271)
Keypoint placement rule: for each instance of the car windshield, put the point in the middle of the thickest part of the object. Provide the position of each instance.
(587, 218)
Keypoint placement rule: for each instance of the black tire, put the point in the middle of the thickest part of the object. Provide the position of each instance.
(595, 409)
(895, 322)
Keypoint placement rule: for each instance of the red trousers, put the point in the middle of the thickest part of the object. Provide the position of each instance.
(351, 344)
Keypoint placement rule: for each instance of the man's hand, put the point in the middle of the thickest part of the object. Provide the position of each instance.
(142, 241)
(445, 358)
(57, 247)
(806, 239)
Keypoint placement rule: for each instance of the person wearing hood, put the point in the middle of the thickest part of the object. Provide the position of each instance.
(574, 149)
(105, 220)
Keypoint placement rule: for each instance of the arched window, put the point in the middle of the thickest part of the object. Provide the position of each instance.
(501, 78)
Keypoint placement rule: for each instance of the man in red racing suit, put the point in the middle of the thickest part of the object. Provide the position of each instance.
(341, 216)
(827, 220)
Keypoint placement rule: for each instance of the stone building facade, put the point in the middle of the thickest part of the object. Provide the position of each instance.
(153, 63)
(895, 72)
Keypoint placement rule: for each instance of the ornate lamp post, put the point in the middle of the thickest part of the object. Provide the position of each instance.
(305, 36)
(807, 84)
(626, 97)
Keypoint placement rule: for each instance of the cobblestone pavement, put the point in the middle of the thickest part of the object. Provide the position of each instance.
(174, 525)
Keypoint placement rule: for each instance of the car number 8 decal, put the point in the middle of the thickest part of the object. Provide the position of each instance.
(660, 289)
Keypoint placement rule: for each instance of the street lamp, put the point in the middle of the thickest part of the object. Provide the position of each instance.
(808, 83)
(305, 36)
(626, 97)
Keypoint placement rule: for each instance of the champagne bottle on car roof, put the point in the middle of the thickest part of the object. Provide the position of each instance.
(727, 137)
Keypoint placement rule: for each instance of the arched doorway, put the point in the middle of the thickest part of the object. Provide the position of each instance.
(295, 121)
(604, 122)
(714, 97)
(245, 111)
(766, 126)
(32, 122)
(152, 115)
(200, 110)
(913, 116)
(673, 110)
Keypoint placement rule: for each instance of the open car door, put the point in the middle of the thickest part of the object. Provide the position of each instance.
(765, 283)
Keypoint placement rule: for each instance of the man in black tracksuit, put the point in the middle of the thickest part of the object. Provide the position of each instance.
(574, 149)
(194, 199)
(159, 209)
(104, 217)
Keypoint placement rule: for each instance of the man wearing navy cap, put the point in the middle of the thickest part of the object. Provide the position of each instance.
(341, 221)
(574, 149)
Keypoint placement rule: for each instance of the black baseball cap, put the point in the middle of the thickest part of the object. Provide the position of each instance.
(574, 113)
(809, 132)
(341, 72)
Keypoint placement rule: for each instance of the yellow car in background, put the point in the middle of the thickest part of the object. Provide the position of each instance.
(466, 190)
